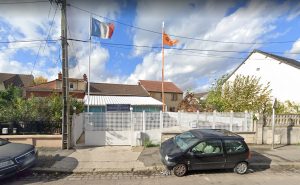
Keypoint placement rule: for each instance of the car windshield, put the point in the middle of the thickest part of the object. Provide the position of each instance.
(3, 142)
(185, 140)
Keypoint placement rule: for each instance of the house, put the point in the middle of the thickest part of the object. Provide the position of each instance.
(76, 88)
(173, 95)
(282, 73)
(18, 80)
(201, 95)
(105, 97)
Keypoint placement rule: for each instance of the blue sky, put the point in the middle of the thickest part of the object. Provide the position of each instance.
(242, 22)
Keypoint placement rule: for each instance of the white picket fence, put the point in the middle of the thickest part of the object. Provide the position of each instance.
(127, 128)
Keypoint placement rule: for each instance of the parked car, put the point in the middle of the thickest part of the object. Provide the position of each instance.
(15, 157)
(203, 149)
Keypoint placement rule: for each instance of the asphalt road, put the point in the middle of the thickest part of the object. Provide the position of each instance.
(280, 176)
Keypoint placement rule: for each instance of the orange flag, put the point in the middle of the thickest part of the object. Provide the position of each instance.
(167, 40)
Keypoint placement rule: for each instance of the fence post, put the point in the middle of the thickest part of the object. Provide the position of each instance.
(179, 118)
(144, 128)
(131, 128)
(214, 119)
(144, 122)
(197, 125)
(251, 122)
(231, 120)
(161, 124)
(245, 126)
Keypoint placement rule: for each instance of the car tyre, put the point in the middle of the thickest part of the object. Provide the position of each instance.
(180, 170)
(241, 168)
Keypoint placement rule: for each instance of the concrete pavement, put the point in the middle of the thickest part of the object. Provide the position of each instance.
(138, 159)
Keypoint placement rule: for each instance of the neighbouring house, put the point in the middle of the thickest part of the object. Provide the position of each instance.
(282, 73)
(18, 80)
(76, 88)
(173, 94)
(106, 97)
(201, 95)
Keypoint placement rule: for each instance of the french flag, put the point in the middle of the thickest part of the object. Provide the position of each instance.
(101, 29)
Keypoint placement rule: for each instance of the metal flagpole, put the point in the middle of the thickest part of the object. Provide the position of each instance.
(89, 68)
(163, 63)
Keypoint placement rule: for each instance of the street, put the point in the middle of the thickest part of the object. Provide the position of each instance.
(279, 176)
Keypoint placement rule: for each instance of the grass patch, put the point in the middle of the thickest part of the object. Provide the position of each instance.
(148, 143)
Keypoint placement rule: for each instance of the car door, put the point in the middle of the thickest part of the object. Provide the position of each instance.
(236, 151)
(207, 154)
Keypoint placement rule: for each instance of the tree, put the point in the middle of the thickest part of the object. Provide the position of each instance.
(244, 93)
(39, 80)
(189, 103)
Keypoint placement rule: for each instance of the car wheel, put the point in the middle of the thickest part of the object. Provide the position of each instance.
(180, 170)
(241, 168)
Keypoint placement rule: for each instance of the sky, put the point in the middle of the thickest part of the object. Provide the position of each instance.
(214, 38)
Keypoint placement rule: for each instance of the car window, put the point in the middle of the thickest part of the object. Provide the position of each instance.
(185, 140)
(208, 147)
(3, 142)
(234, 146)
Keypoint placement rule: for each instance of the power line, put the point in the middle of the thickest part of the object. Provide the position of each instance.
(49, 31)
(180, 49)
(179, 36)
(34, 40)
(23, 2)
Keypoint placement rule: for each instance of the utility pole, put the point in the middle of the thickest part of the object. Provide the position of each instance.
(66, 134)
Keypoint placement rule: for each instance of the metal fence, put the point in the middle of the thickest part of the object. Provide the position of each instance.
(139, 121)
(30, 127)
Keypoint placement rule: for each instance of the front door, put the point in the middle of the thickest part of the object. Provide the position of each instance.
(207, 155)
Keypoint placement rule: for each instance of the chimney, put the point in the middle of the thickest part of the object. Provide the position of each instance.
(85, 78)
(60, 76)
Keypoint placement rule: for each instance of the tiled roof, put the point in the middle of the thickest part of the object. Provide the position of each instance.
(107, 89)
(155, 86)
(131, 100)
(20, 80)
(44, 86)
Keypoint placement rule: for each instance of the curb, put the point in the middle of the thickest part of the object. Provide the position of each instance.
(146, 170)
(150, 170)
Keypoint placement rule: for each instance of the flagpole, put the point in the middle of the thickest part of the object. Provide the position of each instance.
(89, 68)
(163, 63)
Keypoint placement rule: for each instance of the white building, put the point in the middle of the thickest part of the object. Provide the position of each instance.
(282, 73)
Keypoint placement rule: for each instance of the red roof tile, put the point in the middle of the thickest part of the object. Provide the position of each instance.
(48, 85)
(155, 86)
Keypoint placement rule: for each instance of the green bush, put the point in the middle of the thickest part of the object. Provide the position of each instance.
(148, 143)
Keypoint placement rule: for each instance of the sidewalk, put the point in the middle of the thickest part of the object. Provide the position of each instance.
(128, 159)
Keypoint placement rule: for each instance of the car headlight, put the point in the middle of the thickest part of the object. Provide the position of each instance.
(166, 158)
(6, 163)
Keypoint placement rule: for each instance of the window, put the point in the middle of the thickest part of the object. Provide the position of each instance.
(71, 85)
(185, 140)
(234, 146)
(208, 147)
(174, 97)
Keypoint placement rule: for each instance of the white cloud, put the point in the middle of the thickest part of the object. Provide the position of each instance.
(34, 23)
(295, 49)
(208, 21)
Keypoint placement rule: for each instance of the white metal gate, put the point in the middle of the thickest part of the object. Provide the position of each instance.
(129, 128)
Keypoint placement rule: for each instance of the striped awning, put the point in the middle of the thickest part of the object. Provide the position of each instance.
(129, 100)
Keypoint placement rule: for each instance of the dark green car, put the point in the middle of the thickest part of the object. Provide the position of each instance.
(15, 157)
(203, 149)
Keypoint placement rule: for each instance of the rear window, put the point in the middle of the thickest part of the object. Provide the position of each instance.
(234, 146)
